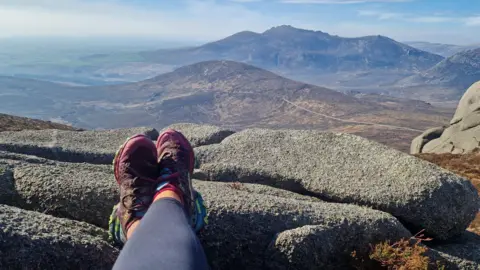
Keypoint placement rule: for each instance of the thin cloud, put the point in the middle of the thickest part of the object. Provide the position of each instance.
(473, 21)
(197, 20)
(340, 2)
(381, 15)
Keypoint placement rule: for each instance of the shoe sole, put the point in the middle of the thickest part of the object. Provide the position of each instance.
(129, 145)
(183, 142)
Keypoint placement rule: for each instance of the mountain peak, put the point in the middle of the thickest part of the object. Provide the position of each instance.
(288, 29)
(283, 28)
(216, 70)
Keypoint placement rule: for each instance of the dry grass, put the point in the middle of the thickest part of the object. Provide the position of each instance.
(466, 165)
(15, 123)
(406, 254)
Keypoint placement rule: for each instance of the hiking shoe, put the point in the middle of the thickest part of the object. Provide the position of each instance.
(176, 161)
(136, 172)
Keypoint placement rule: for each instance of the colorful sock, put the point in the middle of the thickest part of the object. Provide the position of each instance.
(166, 185)
(115, 231)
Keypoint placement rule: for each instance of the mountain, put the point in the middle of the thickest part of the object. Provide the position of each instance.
(289, 48)
(16, 123)
(445, 50)
(229, 94)
(452, 76)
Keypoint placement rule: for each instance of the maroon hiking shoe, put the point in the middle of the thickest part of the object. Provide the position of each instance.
(136, 172)
(176, 161)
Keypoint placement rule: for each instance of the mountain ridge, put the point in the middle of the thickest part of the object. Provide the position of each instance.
(445, 50)
(286, 47)
(453, 75)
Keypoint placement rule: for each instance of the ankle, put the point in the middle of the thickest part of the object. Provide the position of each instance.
(132, 228)
(164, 194)
(168, 190)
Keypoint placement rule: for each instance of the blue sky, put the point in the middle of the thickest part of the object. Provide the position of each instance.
(446, 21)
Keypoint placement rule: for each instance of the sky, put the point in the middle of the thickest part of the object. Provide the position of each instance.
(443, 21)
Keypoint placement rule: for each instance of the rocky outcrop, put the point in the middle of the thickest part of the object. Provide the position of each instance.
(84, 192)
(96, 147)
(87, 192)
(31, 240)
(279, 200)
(462, 135)
(199, 135)
(347, 169)
(245, 225)
(419, 142)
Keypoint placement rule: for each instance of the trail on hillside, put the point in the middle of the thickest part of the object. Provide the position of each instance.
(350, 121)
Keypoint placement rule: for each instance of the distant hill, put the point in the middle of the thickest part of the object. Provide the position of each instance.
(237, 95)
(450, 77)
(229, 94)
(16, 123)
(445, 50)
(289, 48)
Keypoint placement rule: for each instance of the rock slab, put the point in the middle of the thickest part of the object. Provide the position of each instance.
(256, 231)
(199, 135)
(97, 147)
(348, 169)
(31, 240)
(244, 219)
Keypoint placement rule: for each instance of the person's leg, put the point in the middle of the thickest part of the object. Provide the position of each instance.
(162, 236)
(164, 239)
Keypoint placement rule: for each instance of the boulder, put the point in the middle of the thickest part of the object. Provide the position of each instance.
(96, 147)
(455, 141)
(243, 218)
(256, 231)
(463, 134)
(470, 102)
(199, 135)
(292, 249)
(347, 169)
(419, 142)
(83, 192)
(31, 240)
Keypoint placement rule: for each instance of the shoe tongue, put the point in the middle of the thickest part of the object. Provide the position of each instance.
(165, 172)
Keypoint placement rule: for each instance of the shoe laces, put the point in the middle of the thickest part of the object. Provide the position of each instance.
(170, 159)
(145, 189)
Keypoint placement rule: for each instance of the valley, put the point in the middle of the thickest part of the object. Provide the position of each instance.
(224, 93)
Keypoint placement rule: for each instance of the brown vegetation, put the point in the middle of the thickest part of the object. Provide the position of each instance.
(466, 165)
(15, 123)
(406, 254)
